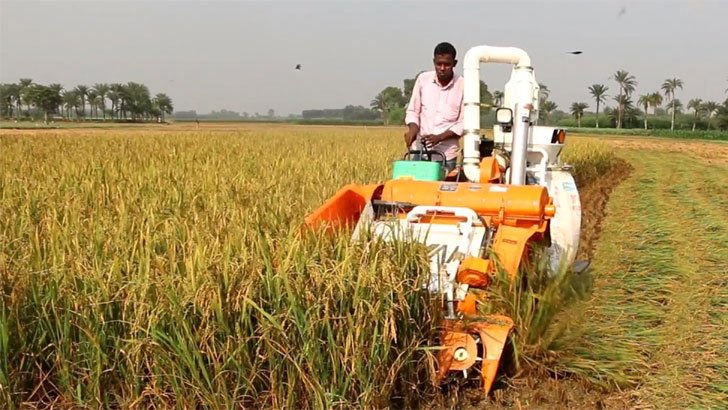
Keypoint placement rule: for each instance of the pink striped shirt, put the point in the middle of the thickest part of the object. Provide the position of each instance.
(436, 109)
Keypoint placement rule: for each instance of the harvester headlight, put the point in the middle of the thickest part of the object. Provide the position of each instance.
(504, 116)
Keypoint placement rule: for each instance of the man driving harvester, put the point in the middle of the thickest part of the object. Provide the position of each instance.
(434, 113)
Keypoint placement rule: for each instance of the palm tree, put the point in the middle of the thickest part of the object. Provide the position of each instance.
(498, 98)
(113, 97)
(378, 103)
(102, 90)
(82, 91)
(547, 108)
(543, 93)
(91, 96)
(669, 87)
(709, 107)
(71, 99)
(627, 113)
(6, 99)
(655, 100)
(409, 85)
(632, 115)
(645, 100)
(721, 116)
(697, 105)
(675, 107)
(627, 84)
(599, 92)
(23, 87)
(577, 110)
(137, 100)
(11, 98)
(387, 100)
(163, 103)
(116, 96)
(58, 89)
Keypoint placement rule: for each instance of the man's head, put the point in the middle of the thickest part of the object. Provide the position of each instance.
(445, 61)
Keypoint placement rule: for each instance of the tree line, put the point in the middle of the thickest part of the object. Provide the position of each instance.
(350, 113)
(223, 114)
(131, 101)
(629, 113)
(390, 104)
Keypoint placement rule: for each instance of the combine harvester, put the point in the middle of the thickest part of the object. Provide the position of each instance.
(510, 193)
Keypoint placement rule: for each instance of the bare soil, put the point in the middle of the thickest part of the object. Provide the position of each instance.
(594, 197)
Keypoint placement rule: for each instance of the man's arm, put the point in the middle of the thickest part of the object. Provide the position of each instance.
(456, 131)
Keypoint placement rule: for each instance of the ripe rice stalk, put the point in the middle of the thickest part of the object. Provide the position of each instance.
(165, 269)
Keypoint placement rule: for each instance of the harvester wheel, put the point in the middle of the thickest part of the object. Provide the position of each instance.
(473, 350)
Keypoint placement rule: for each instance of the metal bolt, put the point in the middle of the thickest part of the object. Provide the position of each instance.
(461, 354)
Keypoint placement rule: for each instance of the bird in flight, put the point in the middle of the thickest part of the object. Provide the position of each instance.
(298, 66)
(574, 52)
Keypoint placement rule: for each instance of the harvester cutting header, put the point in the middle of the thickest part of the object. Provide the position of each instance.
(510, 192)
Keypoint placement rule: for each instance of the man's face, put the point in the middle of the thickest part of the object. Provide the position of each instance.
(444, 64)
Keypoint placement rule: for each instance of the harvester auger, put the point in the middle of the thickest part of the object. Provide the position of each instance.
(509, 193)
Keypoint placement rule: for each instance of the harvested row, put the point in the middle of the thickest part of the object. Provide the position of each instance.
(658, 312)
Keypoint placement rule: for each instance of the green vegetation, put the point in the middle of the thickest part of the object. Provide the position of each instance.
(662, 133)
(130, 101)
(706, 115)
(599, 92)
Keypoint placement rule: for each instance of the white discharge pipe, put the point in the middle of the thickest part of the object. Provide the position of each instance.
(471, 102)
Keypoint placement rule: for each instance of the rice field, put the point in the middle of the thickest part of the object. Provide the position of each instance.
(166, 268)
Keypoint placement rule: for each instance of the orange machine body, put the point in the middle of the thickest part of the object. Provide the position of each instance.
(344, 208)
(513, 205)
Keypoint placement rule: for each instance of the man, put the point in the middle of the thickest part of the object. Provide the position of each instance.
(435, 114)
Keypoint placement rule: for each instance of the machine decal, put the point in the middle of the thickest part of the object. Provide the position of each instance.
(449, 187)
(576, 203)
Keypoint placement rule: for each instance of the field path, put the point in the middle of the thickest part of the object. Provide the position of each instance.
(662, 277)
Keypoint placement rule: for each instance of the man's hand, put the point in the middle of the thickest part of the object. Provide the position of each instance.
(411, 134)
(431, 140)
(409, 137)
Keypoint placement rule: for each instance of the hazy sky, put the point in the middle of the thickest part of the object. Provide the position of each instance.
(240, 55)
